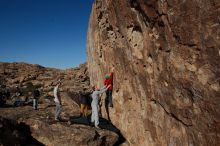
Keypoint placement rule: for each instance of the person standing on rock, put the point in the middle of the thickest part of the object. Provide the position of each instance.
(84, 104)
(95, 100)
(109, 82)
(58, 102)
(36, 95)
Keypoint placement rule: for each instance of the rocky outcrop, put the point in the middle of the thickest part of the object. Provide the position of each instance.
(13, 133)
(19, 74)
(165, 56)
(21, 78)
(37, 127)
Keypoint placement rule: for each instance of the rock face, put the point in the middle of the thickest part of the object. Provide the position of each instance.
(165, 56)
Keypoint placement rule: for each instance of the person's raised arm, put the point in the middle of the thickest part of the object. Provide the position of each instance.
(103, 89)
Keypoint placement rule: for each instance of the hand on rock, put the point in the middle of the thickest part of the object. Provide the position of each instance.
(112, 69)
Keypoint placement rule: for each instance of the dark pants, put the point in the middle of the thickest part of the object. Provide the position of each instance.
(58, 111)
(108, 98)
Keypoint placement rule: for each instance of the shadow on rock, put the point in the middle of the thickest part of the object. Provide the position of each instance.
(103, 124)
(13, 133)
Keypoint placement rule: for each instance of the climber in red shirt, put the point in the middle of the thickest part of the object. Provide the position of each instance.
(109, 81)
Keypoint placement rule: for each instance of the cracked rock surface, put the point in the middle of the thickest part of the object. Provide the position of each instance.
(166, 60)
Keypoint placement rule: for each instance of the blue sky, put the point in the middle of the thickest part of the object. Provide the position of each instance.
(51, 33)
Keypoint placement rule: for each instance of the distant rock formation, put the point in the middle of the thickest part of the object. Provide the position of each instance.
(166, 60)
(25, 77)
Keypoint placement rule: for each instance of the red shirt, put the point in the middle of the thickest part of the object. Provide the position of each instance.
(109, 81)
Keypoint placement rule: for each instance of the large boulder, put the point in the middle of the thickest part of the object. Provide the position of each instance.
(165, 56)
(13, 133)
